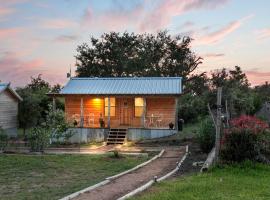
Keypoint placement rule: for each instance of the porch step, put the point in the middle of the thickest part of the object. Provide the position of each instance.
(116, 136)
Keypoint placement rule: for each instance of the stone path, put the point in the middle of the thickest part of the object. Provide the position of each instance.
(126, 183)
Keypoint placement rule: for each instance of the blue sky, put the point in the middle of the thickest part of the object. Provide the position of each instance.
(41, 36)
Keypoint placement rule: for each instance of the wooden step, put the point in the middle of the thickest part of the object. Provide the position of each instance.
(116, 136)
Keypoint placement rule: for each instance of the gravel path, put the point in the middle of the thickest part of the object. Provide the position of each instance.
(126, 183)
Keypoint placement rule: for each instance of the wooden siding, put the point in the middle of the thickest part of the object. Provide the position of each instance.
(8, 110)
(124, 110)
(163, 107)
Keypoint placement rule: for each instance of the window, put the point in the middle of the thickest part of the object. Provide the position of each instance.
(138, 107)
(112, 106)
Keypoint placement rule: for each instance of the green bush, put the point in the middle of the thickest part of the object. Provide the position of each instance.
(38, 138)
(206, 135)
(240, 145)
(3, 139)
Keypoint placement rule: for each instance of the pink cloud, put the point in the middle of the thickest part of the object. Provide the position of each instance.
(257, 78)
(141, 18)
(57, 24)
(213, 55)
(18, 71)
(66, 38)
(113, 19)
(5, 11)
(264, 33)
(161, 16)
(218, 35)
(9, 32)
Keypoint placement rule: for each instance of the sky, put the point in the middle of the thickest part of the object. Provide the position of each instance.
(41, 36)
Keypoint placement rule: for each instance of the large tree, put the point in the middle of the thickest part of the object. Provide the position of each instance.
(130, 54)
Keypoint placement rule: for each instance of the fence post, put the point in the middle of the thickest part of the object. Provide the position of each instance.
(218, 123)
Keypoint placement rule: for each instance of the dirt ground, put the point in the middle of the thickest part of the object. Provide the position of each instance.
(126, 183)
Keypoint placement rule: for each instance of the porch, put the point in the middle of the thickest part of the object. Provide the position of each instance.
(147, 112)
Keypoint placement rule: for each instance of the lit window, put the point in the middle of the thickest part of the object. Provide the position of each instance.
(112, 106)
(138, 107)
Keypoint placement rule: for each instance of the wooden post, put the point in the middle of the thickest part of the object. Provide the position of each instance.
(176, 113)
(218, 123)
(81, 115)
(81, 123)
(227, 114)
(144, 112)
(109, 112)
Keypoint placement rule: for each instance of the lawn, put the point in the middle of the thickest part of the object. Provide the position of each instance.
(241, 182)
(54, 176)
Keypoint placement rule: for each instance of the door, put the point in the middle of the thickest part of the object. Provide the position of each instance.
(125, 111)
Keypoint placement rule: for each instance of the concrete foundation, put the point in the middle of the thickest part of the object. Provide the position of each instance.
(86, 135)
(135, 134)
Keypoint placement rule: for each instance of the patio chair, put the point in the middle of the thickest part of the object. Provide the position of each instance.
(91, 119)
(159, 120)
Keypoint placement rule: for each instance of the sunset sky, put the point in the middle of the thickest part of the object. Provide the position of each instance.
(41, 36)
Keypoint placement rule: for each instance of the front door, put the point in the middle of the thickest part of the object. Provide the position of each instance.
(125, 111)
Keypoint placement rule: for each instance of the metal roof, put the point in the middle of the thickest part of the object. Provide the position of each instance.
(124, 86)
(6, 86)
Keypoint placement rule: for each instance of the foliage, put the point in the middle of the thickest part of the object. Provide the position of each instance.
(32, 110)
(3, 139)
(245, 140)
(206, 135)
(38, 138)
(57, 124)
(130, 54)
(251, 123)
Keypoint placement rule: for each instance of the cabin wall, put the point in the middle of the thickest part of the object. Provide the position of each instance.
(164, 107)
(8, 112)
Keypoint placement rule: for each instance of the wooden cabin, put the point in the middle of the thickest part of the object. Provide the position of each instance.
(9, 101)
(123, 103)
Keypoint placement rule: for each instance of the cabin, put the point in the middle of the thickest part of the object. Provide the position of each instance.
(119, 109)
(9, 101)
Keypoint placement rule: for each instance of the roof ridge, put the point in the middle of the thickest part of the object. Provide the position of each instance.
(111, 78)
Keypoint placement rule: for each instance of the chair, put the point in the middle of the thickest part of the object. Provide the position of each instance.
(159, 120)
(91, 119)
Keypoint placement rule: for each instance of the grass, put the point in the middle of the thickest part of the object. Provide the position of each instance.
(54, 176)
(240, 182)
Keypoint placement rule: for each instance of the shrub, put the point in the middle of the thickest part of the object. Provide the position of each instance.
(57, 124)
(3, 139)
(38, 138)
(247, 139)
(206, 135)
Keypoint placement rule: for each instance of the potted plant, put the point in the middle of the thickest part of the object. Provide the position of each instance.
(101, 121)
(171, 125)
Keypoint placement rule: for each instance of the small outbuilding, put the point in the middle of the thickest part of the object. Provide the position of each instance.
(133, 108)
(9, 101)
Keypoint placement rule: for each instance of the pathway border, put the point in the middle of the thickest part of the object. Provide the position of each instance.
(108, 179)
(151, 182)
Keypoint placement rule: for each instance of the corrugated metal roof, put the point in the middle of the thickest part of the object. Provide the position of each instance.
(130, 86)
(4, 86)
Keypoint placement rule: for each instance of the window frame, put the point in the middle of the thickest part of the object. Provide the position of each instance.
(139, 107)
(112, 106)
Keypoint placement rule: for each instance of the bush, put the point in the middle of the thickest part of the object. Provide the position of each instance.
(38, 138)
(3, 140)
(247, 139)
(206, 135)
(58, 126)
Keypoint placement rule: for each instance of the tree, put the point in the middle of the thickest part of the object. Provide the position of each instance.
(32, 110)
(130, 54)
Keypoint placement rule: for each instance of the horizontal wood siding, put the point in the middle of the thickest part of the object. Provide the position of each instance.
(8, 110)
(92, 106)
(159, 106)
(163, 107)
